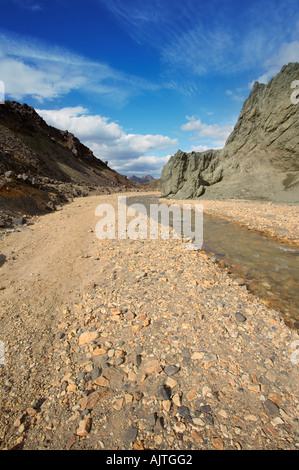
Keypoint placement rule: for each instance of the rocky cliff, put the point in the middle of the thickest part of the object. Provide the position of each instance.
(42, 167)
(260, 159)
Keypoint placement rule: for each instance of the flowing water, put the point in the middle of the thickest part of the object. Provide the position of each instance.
(269, 268)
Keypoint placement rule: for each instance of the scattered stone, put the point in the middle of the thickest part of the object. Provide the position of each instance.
(84, 427)
(72, 440)
(271, 408)
(88, 337)
(130, 435)
(179, 427)
(218, 443)
(153, 367)
(118, 404)
(171, 370)
(277, 421)
(240, 317)
(164, 391)
(102, 381)
(177, 400)
(184, 412)
(95, 373)
(223, 414)
(197, 438)
(209, 419)
(143, 390)
(170, 382)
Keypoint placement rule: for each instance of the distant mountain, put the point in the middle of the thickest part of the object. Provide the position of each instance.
(41, 166)
(260, 157)
(141, 180)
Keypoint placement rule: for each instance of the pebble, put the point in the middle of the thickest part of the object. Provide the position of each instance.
(171, 370)
(184, 412)
(191, 362)
(164, 392)
(84, 427)
(179, 427)
(240, 317)
(271, 408)
(218, 443)
(130, 435)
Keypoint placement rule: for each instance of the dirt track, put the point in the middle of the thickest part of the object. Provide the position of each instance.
(52, 266)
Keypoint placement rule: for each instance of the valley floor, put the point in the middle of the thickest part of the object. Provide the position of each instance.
(121, 344)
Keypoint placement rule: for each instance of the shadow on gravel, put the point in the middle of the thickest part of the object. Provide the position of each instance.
(2, 260)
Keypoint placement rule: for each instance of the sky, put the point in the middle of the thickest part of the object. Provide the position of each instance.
(136, 80)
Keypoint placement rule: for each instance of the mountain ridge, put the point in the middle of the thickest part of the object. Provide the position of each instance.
(141, 179)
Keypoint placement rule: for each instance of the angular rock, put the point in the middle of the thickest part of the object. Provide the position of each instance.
(271, 408)
(88, 337)
(84, 427)
(171, 370)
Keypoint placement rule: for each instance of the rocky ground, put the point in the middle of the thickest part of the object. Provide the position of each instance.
(136, 344)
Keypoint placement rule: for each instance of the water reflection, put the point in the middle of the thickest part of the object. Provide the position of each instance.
(269, 268)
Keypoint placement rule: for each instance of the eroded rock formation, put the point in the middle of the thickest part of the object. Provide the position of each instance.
(260, 159)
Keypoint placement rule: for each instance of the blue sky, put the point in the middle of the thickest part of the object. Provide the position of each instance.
(137, 80)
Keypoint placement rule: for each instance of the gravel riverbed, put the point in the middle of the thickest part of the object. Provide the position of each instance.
(136, 344)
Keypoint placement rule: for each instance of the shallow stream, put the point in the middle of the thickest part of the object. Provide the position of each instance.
(270, 269)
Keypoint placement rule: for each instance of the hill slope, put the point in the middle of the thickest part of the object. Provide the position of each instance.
(42, 166)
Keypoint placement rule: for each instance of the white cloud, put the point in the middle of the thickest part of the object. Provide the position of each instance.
(214, 133)
(31, 68)
(236, 95)
(144, 165)
(199, 148)
(86, 127)
(288, 52)
(109, 141)
(23, 80)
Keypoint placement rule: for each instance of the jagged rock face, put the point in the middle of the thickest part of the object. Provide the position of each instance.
(260, 159)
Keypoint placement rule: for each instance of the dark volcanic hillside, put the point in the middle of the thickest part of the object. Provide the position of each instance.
(42, 166)
(260, 159)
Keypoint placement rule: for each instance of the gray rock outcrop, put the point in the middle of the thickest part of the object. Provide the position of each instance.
(260, 159)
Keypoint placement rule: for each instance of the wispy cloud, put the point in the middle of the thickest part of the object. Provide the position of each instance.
(214, 134)
(31, 5)
(237, 95)
(143, 165)
(109, 141)
(288, 52)
(31, 68)
(210, 37)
